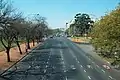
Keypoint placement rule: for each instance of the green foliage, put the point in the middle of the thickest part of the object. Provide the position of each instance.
(106, 33)
(81, 25)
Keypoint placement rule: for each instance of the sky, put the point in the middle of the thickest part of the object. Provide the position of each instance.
(58, 12)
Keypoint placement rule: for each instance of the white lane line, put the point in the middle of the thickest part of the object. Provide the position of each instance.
(65, 71)
(45, 71)
(64, 67)
(66, 78)
(46, 66)
(88, 66)
(103, 71)
(89, 58)
(97, 66)
(81, 66)
(74, 56)
(76, 59)
(110, 77)
(89, 77)
(84, 70)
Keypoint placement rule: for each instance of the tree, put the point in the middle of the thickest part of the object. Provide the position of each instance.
(106, 34)
(16, 24)
(13, 28)
(27, 32)
(82, 24)
(41, 27)
(6, 37)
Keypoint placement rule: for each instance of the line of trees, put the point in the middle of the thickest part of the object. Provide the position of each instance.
(106, 35)
(14, 28)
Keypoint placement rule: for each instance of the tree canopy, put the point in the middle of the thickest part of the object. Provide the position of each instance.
(82, 25)
(106, 33)
(14, 28)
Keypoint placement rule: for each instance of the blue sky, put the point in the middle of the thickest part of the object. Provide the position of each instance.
(58, 12)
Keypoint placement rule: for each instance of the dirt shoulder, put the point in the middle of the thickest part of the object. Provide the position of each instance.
(14, 55)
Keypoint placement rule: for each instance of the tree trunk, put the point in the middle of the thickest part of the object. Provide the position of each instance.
(7, 49)
(28, 44)
(33, 42)
(8, 54)
(37, 40)
(17, 42)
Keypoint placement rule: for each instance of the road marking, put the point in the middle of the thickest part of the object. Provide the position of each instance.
(64, 67)
(29, 67)
(103, 71)
(76, 59)
(46, 66)
(88, 66)
(81, 66)
(47, 62)
(89, 58)
(45, 71)
(93, 62)
(66, 78)
(84, 70)
(110, 77)
(65, 71)
(97, 66)
(89, 77)
(78, 62)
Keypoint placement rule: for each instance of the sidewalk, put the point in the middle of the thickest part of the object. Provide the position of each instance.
(14, 55)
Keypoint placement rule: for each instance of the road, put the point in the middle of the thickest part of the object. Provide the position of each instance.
(57, 59)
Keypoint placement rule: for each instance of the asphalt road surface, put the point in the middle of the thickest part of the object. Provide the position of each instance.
(57, 59)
